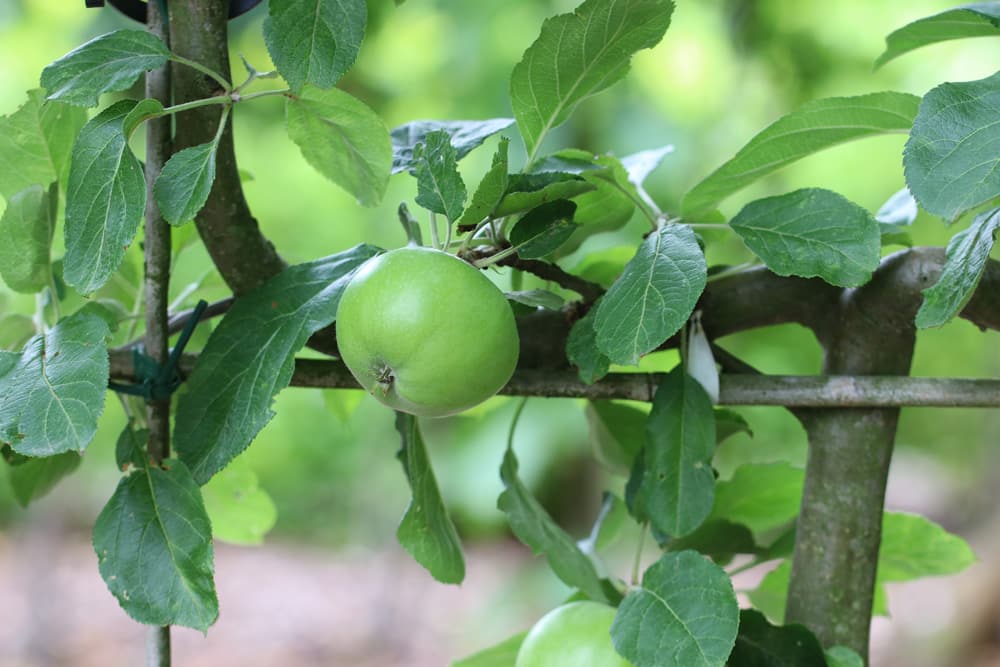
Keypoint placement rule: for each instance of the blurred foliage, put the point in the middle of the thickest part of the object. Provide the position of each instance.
(726, 69)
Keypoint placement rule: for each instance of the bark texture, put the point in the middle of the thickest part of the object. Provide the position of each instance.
(156, 255)
(242, 254)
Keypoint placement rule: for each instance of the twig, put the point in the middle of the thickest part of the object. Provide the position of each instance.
(817, 391)
(588, 290)
(177, 322)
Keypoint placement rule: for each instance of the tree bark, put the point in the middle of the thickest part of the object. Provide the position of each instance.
(156, 255)
(840, 524)
(242, 254)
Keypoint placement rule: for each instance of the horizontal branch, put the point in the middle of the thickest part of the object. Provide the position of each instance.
(735, 389)
(553, 272)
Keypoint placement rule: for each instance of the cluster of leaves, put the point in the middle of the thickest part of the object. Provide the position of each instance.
(667, 452)
(154, 537)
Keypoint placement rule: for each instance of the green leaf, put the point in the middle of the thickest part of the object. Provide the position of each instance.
(582, 352)
(26, 229)
(543, 229)
(143, 110)
(718, 539)
(965, 260)
(568, 161)
(577, 55)
(240, 511)
(603, 209)
(841, 656)
(342, 139)
(343, 402)
(15, 330)
(105, 200)
(900, 209)
(627, 175)
(810, 233)
(728, 423)
(895, 216)
(761, 496)
(183, 185)
(617, 433)
(439, 185)
(537, 298)
(653, 297)
(130, 449)
(700, 362)
(780, 547)
(35, 143)
(503, 654)
(465, 136)
(640, 165)
(53, 392)
(760, 644)
(426, 530)
(814, 126)
(154, 548)
(528, 191)
(914, 547)
(604, 266)
(105, 64)
(249, 358)
(894, 235)
(490, 190)
(314, 41)
(686, 603)
(980, 19)
(769, 596)
(674, 485)
(950, 161)
(535, 528)
(32, 478)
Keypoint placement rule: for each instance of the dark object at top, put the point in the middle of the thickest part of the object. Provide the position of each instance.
(136, 9)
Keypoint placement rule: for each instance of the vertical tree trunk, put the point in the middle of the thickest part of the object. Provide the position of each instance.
(840, 525)
(230, 233)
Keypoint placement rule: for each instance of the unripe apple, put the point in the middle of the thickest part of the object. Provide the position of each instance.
(573, 635)
(426, 333)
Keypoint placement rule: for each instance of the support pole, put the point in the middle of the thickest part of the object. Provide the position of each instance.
(156, 249)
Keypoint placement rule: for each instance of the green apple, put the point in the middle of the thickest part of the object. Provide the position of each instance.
(577, 634)
(426, 333)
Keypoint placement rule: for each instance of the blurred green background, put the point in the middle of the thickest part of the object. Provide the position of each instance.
(725, 70)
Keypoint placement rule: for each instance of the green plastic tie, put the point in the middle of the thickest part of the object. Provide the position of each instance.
(156, 382)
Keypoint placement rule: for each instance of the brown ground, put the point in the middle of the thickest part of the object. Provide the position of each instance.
(280, 606)
(289, 606)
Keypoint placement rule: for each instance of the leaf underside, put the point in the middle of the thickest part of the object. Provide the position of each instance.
(249, 358)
